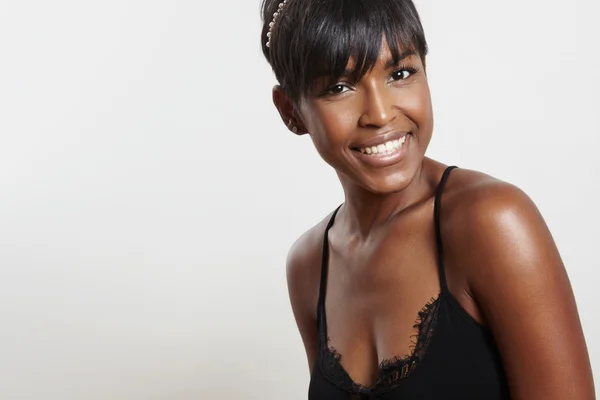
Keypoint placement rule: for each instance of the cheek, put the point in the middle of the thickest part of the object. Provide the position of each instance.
(331, 126)
(418, 107)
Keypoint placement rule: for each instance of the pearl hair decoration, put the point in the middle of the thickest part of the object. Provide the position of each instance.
(272, 24)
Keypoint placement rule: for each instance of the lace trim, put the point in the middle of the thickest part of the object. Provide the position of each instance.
(391, 371)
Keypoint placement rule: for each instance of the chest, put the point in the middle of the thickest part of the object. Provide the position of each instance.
(374, 294)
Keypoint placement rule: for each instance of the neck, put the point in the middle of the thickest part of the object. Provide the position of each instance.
(364, 211)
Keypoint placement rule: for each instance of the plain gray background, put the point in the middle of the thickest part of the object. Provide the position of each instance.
(150, 193)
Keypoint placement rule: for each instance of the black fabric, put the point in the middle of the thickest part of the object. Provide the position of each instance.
(454, 356)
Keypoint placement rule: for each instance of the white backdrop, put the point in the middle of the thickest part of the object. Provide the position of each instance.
(149, 191)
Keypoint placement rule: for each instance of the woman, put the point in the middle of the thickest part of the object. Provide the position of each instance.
(428, 282)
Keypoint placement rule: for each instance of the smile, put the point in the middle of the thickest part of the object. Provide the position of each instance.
(387, 148)
(384, 154)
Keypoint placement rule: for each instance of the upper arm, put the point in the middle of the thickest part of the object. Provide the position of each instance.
(517, 277)
(303, 275)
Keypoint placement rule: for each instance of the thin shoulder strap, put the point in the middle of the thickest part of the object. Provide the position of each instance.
(324, 267)
(438, 234)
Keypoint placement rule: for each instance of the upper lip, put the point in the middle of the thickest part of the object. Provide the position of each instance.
(380, 139)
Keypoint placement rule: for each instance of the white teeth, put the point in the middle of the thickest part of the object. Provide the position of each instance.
(387, 147)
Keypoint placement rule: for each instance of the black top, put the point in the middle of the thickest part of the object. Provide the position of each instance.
(454, 356)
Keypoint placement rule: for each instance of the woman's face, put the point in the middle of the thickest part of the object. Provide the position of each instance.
(374, 132)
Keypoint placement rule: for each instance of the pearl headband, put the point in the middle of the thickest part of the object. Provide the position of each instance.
(275, 17)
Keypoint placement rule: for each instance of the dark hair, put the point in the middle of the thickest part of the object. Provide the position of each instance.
(316, 38)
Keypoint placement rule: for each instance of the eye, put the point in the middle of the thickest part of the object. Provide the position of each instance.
(337, 89)
(402, 74)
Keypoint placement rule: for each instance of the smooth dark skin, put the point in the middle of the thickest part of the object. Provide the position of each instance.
(502, 264)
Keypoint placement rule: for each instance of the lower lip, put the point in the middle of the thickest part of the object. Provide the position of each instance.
(384, 160)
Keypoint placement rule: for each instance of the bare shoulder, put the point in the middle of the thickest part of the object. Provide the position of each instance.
(494, 235)
(484, 218)
(303, 268)
(467, 189)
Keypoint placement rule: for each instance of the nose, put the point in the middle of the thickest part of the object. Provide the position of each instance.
(378, 108)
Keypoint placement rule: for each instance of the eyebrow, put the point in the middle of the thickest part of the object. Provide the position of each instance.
(388, 64)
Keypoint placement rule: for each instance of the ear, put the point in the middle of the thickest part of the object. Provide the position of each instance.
(288, 111)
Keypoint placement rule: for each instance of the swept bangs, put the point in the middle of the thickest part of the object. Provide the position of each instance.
(315, 39)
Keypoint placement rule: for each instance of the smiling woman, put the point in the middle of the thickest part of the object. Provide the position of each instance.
(459, 261)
